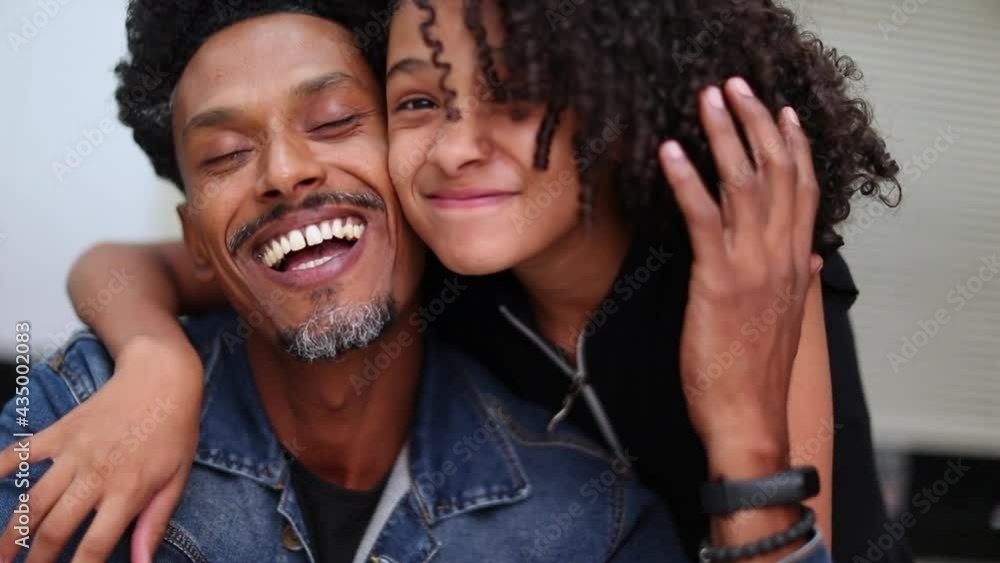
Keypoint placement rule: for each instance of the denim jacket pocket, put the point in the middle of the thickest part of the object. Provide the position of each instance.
(179, 546)
(84, 364)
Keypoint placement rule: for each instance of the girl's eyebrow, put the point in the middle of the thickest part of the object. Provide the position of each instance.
(408, 65)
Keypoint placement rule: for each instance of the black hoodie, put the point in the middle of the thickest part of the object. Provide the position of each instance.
(634, 401)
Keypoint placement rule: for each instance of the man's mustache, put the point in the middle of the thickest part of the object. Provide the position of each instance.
(312, 201)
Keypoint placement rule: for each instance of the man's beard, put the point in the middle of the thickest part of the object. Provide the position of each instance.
(333, 330)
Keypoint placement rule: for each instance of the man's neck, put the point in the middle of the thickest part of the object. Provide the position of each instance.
(348, 419)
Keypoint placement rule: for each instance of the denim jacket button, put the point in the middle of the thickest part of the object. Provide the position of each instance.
(290, 539)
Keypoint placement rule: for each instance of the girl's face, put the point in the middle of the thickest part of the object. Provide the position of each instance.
(469, 187)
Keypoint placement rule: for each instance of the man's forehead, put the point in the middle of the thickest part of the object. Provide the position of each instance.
(274, 45)
(287, 53)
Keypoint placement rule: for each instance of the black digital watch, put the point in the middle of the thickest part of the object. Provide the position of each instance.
(791, 486)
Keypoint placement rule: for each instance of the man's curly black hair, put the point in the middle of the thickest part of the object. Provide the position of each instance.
(163, 36)
(645, 61)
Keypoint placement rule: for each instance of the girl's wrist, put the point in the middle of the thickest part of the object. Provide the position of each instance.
(173, 352)
(741, 462)
(746, 450)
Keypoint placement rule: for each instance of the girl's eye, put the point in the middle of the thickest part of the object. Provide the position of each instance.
(416, 104)
(520, 113)
(225, 157)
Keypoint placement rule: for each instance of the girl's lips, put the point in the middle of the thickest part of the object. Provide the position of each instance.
(467, 201)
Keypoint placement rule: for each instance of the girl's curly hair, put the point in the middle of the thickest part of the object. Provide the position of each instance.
(163, 36)
(645, 61)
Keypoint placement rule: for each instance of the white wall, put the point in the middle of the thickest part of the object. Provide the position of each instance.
(931, 66)
(56, 87)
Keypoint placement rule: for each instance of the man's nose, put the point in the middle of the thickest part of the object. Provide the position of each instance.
(289, 165)
(462, 144)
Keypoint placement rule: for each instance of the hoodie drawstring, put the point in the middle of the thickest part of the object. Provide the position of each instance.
(578, 385)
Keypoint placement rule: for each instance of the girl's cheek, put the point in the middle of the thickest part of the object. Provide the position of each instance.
(407, 154)
(396, 169)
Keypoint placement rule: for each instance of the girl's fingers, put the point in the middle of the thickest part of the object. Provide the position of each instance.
(802, 218)
(741, 206)
(700, 211)
(152, 523)
(767, 143)
(58, 527)
(39, 448)
(112, 519)
(815, 264)
(41, 498)
(782, 218)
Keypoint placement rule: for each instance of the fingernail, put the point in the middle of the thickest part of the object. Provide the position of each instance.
(742, 87)
(714, 96)
(792, 116)
(674, 150)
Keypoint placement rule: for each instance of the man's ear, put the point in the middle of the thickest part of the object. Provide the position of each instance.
(196, 246)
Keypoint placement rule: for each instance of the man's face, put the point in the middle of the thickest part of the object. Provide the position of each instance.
(280, 137)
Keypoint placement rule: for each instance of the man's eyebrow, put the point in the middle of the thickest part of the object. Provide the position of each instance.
(209, 118)
(216, 116)
(318, 84)
(408, 65)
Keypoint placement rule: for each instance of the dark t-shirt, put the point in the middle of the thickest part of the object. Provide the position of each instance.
(337, 517)
(632, 358)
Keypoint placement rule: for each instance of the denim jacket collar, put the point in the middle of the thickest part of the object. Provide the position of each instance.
(452, 416)
(236, 435)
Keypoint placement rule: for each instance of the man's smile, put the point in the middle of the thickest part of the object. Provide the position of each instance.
(314, 245)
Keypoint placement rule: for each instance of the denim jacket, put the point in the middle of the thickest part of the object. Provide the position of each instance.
(480, 479)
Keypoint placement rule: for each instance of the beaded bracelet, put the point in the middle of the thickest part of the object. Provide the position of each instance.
(801, 529)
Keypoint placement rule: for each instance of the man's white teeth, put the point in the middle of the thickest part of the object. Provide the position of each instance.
(298, 241)
(312, 264)
(274, 252)
(313, 235)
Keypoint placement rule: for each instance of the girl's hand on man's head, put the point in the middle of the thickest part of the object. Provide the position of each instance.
(753, 264)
